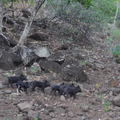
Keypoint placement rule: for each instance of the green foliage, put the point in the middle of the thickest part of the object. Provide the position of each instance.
(85, 3)
(12, 1)
(116, 33)
(100, 97)
(36, 119)
(116, 50)
(34, 69)
(106, 103)
(107, 107)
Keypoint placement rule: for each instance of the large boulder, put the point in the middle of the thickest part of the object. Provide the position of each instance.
(15, 57)
(49, 66)
(27, 55)
(42, 51)
(57, 57)
(39, 36)
(35, 69)
(75, 54)
(4, 41)
(116, 101)
(7, 60)
(72, 71)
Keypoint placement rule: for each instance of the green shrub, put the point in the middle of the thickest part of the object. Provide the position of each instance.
(116, 50)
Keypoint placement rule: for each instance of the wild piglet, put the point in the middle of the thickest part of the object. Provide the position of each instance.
(63, 87)
(39, 84)
(24, 85)
(15, 79)
(72, 91)
(56, 88)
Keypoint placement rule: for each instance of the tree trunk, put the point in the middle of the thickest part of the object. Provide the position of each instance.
(28, 25)
(1, 8)
(116, 14)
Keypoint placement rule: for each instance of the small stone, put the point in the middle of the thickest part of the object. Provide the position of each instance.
(33, 114)
(62, 98)
(70, 114)
(86, 87)
(25, 106)
(52, 114)
(83, 118)
(63, 115)
(114, 83)
(8, 91)
(2, 115)
(111, 93)
(63, 106)
(15, 102)
(7, 101)
(116, 101)
(85, 108)
(1, 86)
(79, 114)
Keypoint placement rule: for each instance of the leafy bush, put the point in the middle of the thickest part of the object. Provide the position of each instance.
(116, 51)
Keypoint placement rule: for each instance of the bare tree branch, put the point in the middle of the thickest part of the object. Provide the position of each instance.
(28, 25)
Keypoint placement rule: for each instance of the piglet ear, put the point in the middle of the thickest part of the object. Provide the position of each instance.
(78, 86)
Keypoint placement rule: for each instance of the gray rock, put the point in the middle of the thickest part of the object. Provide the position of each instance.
(72, 71)
(7, 101)
(26, 54)
(116, 101)
(5, 58)
(83, 118)
(49, 66)
(4, 41)
(8, 91)
(42, 51)
(23, 118)
(62, 98)
(39, 36)
(33, 114)
(2, 115)
(64, 106)
(75, 54)
(86, 87)
(52, 114)
(35, 68)
(117, 118)
(1, 92)
(70, 114)
(57, 57)
(25, 106)
(15, 102)
(18, 71)
(85, 108)
(1, 85)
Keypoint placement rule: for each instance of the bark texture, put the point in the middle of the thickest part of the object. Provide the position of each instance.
(28, 25)
(1, 7)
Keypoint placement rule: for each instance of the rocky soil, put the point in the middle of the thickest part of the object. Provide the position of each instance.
(99, 99)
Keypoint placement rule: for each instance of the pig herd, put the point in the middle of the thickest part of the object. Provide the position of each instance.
(62, 89)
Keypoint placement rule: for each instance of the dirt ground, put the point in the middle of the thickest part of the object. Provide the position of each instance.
(88, 105)
(93, 103)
